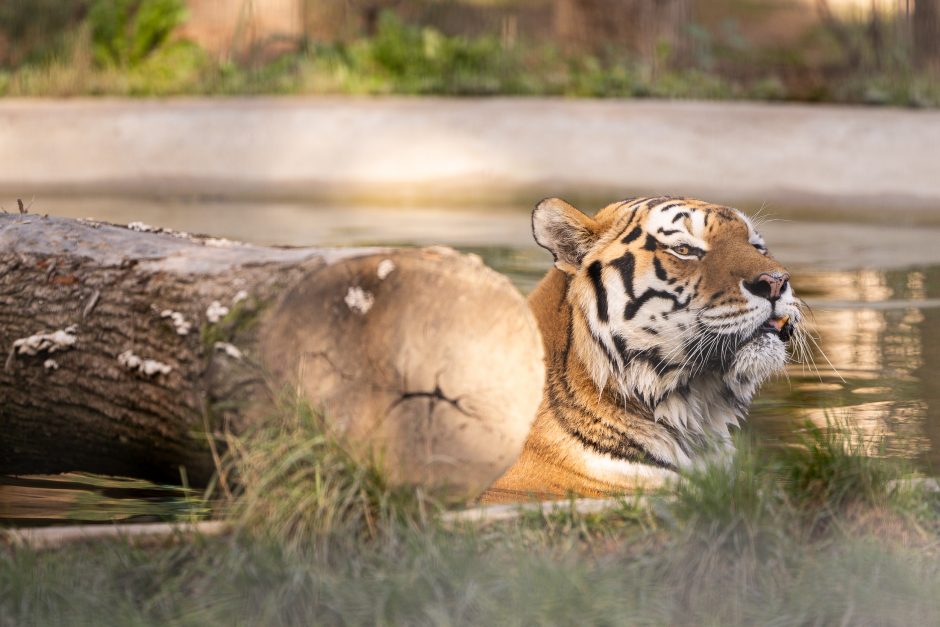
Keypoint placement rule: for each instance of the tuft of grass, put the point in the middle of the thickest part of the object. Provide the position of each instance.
(831, 469)
(733, 530)
(298, 486)
(730, 493)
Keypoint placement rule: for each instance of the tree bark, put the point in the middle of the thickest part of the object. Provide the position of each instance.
(637, 26)
(927, 34)
(128, 349)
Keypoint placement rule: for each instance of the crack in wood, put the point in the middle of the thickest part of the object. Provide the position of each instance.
(325, 357)
(436, 395)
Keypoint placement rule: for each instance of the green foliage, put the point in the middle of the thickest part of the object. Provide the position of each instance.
(166, 68)
(154, 21)
(406, 59)
(35, 30)
(124, 47)
(125, 32)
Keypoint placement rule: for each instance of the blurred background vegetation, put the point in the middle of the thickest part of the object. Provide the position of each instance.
(869, 51)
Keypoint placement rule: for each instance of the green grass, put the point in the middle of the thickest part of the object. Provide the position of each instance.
(296, 486)
(321, 539)
(833, 468)
(114, 52)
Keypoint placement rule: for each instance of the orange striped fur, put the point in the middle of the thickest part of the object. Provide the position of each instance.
(660, 320)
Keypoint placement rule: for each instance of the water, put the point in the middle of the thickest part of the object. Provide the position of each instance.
(874, 289)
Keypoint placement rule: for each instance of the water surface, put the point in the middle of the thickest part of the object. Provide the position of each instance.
(874, 291)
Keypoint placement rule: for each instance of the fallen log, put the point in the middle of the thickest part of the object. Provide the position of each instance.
(129, 348)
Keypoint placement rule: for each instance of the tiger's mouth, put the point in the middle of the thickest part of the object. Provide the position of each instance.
(780, 326)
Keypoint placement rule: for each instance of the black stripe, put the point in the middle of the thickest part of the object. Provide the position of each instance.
(651, 243)
(660, 270)
(607, 353)
(679, 216)
(625, 352)
(654, 359)
(626, 265)
(629, 223)
(594, 271)
(565, 352)
(650, 355)
(668, 232)
(655, 200)
(626, 449)
(633, 306)
(725, 316)
(669, 206)
(632, 235)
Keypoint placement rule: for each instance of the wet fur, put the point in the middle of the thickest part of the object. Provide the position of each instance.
(650, 358)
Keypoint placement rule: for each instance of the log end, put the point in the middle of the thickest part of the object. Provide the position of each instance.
(426, 361)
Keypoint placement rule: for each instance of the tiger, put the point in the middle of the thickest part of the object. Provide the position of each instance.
(660, 319)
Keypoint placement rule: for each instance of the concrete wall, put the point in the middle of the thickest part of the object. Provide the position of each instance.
(472, 150)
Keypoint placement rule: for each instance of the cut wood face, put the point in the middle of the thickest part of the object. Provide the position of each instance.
(426, 361)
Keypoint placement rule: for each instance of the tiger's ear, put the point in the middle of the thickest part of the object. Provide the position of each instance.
(564, 231)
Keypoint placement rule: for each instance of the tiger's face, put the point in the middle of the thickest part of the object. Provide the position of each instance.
(675, 302)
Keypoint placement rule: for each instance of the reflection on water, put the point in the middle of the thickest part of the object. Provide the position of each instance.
(874, 292)
(880, 329)
(49, 499)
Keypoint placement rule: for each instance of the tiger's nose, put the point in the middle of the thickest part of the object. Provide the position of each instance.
(769, 285)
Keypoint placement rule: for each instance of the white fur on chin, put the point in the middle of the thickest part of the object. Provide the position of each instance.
(754, 363)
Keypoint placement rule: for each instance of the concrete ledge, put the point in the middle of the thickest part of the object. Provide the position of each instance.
(414, 150)
(55, 537)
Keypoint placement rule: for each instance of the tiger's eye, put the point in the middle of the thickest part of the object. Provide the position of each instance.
(682, 249)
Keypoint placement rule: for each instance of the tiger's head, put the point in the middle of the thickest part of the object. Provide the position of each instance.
(676, 304)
